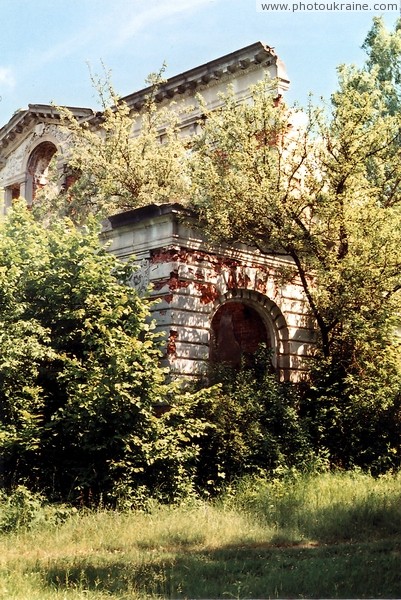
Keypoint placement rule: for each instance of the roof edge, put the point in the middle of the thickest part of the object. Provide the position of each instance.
(257, 53)
(142, 213)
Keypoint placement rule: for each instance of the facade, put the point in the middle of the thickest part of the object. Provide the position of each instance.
(213, 303)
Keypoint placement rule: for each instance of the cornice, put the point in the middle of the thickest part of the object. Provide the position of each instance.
(150, 211)
(245, 59)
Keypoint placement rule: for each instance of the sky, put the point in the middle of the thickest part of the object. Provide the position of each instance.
(47, 46)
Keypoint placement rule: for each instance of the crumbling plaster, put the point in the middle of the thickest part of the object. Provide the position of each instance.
(191, 279)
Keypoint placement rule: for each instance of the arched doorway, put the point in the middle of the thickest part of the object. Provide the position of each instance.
(237, 331)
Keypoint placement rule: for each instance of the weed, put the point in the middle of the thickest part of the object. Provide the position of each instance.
(328, 535)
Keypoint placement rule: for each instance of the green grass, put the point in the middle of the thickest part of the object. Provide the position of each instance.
(328, 536)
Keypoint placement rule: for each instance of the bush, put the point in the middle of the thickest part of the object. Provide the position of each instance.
(356, 419)
(253, 426)
(23, 509)
(79, 374)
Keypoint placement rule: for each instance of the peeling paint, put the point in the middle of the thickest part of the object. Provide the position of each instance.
(238, 278)
(209, 292)
(260, 285)
(173, 282)
(237, 275)
(171, 344)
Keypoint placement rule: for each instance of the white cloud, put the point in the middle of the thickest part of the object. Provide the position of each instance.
(114, 27)
(7, 78)
(138, 20)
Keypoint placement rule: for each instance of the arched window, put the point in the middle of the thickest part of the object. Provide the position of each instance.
(38, 168)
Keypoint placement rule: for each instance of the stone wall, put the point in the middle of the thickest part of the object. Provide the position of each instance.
(194, 283)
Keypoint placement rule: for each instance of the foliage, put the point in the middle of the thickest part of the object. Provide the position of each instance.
(253, 427)
(79, 374)
(322, 189)
(383, 49)
(356, 421)
(258, 425)
(23, 509)
(120, 159)
(323, 192)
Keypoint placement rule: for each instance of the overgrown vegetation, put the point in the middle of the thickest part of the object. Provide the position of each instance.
(254, 426)
(323, 187)
(80, 384)
(118, 162)
(79, 374)
(257, 425)
(80, 381)
(355, 420)
(326, 536)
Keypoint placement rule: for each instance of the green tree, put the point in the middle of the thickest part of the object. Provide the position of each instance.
(322, 187)
(79, 374)
(383, 49)
(324, 192)
(120, 159)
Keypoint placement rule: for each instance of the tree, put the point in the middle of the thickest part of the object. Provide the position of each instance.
(118, 160)
(322, 187)
(383, 49)
(79, 374)
(324, 192)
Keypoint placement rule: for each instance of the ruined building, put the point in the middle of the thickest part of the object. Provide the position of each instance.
(213, 302)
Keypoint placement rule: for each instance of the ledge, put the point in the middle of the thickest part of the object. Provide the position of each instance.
(143, 213)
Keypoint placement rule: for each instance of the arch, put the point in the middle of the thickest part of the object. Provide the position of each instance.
(237, 330)
(37, 168)
(242, 320)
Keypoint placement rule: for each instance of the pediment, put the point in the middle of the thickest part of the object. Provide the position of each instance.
(24, 121)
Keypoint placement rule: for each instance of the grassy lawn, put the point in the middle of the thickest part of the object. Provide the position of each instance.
(329, 536)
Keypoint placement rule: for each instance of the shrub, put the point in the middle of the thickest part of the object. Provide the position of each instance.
(253, 426)
(79, 373)
(355, 418)
(23, 509)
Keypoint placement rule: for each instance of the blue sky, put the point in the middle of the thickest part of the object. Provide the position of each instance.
(46, 45)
